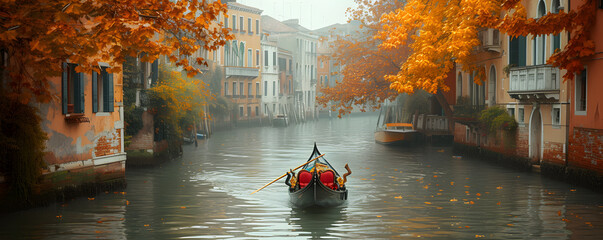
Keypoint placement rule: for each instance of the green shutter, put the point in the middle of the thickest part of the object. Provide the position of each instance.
(154, 72)
(522, 50)
(94, 92)
(65, 86)
(556, 42)
(81, 92)
(110, 99)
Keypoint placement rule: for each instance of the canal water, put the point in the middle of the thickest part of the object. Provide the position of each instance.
(418, 192)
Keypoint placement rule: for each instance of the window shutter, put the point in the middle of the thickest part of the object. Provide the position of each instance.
(522, 51)
(94, 92)
(110, 98)
(65, 87)
(80, 92)
(154, 72)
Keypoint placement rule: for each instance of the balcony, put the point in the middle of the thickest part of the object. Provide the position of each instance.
(490, 39)
(241, 72)
(534, 83)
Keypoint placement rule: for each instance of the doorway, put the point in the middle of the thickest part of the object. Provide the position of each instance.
(535, 136)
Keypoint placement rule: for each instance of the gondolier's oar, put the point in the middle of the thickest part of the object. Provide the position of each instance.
(286, 174)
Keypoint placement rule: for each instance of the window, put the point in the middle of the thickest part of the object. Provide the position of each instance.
(234, 89)
(265, 58)
(556, 116)
(225, 89)
(273, 58)
(241, 111)
(249, 58)
(321, 64)
(225, 21)
(249, 90)
(249, 25)
(242, 27)
(511, 111)
(257, 89)
(234, 22)
(265, 88)
(520, 115)
(320, 80)
(517, 51)
(241, 89)
(72, 90)
(326, 80)
(257, 28)
(580, 92)
(556, 39)
(257, 58)
(102, 91)
(273, 89)
(248, 111)
(538, 57)
(257, 112)
(459, 85)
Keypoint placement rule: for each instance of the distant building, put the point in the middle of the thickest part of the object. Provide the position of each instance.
(303, 45)
(270, 80)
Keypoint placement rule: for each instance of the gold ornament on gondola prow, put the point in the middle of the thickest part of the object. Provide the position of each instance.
(293, 180)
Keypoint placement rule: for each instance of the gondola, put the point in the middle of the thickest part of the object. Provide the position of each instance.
(317, 184)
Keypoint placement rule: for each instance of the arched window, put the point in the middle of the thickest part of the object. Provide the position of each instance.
(492, 87)
(556, 39)
(235, 53)
(242, 54)
(227, 54)
(539, 41)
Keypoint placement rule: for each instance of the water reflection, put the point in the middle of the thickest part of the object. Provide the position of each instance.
(394, 193)
(318, 222)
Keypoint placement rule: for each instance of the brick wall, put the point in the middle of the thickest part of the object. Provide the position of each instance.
(108, 145)
(143, 140)
(586, 149)
(553, 153)
(522, 142)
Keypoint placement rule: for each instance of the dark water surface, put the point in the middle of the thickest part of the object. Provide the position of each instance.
(394, 193)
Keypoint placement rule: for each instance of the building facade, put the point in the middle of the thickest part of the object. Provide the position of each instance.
(241, 61)
(270, 79)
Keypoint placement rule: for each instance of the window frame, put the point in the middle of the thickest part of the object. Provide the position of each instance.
(72, 90)
(576, 97)
(556, 124)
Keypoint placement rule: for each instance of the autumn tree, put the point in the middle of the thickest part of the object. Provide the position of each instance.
(39, 35)
(362, 63)
(441, 33)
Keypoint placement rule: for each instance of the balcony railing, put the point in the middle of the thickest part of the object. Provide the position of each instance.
(539, 82)
(241, 72)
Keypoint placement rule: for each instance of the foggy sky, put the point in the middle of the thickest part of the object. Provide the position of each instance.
(312, 14)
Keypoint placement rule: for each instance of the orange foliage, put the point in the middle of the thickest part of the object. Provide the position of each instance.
(577, 22)
(439, 33)
(363, 64)
(39, 35)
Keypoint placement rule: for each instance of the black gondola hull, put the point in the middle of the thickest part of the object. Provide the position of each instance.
(317, 194)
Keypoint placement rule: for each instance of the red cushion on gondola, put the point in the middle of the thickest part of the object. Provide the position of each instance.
(304, 178)
(328, 179)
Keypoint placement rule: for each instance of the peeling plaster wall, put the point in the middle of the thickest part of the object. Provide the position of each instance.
(72, 142)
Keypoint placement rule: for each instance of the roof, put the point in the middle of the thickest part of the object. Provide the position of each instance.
(269, 24)
(244, 8)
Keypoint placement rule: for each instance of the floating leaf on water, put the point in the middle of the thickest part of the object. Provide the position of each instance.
(510, 224)
(428, 203)
(572, 190)
(498, 203)
(479, 236)
(363, 179)
(454, 200)
(451, 183)
(558, 213)
(182, 207)
(478, 194)
(146, 225)
(398, 197)
(90, 198)
(127, 202)
(378, 216)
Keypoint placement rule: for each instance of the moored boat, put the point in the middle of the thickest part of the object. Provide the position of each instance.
(317, 184)
(396, 133)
